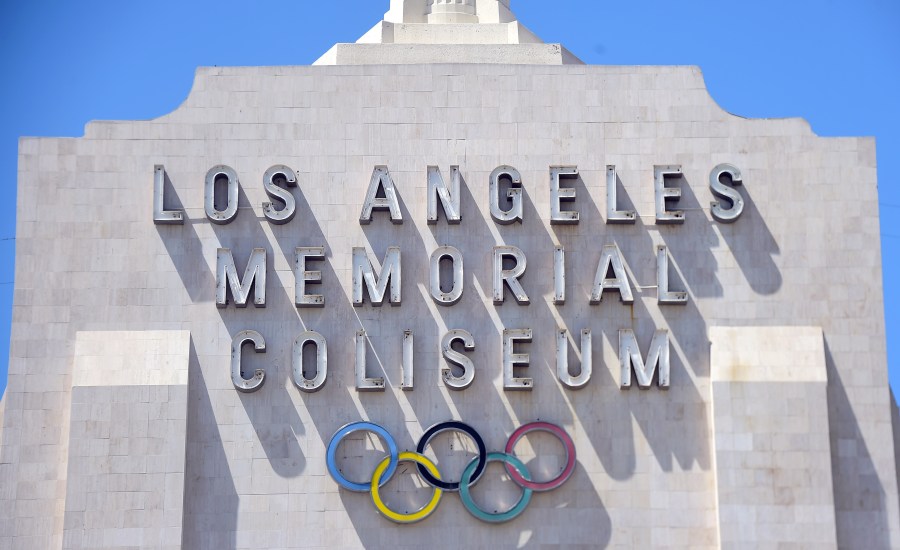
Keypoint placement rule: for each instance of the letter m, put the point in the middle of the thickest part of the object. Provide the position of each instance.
(227, 278)
(376, 285)
(630, 356)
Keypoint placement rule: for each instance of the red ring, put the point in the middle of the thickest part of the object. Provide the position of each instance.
(564, 439)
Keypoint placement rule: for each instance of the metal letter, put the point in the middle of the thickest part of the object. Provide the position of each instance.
(449, 197)
(406, 384)
(237, 375)
(306, 384)
(506, 217)
(663, 295)
(303, 276)
(612, 214)
(364, 383)
(455, 293)
(363, 273)
(663, 194)
(729, 193)
(286, 214)
(509, 276)
(559, 275)
(611, 257)
(630, 355)
(228, 215)
(511, 359)
(562, 359)
(558, 194)
(227, 277)
(456, 358)
(161, 216)
(381, 179)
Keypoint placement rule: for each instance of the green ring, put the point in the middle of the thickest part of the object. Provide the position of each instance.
(473, 508)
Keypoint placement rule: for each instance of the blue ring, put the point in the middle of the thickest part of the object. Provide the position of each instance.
(356, 427)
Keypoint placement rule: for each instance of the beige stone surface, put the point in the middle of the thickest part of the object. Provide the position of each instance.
(767, 354)
(131, 358)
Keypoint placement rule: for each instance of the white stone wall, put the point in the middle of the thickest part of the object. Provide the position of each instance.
(127, 436)
(773, 457)
(90, 259)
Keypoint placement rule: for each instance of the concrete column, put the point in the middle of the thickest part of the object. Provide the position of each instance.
(770, 430)
(127, 435)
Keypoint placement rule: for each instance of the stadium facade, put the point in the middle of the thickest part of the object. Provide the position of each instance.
(460, 255)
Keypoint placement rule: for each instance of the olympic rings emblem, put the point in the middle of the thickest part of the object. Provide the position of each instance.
(429, 472)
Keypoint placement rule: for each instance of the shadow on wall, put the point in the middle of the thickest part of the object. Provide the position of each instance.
(748, 239)
(691, 244)
(857, 488)
(271, 411)
(210, 498)
(186, 251)
(753, 247)
(895, 426)
(607, 414)
(481, 405)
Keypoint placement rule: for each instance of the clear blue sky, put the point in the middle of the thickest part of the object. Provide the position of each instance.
(835, 63)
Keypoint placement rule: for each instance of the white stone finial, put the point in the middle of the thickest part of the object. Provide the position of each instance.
(449, 11)
(448, 31)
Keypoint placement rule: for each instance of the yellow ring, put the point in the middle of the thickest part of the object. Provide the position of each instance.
(415, 516)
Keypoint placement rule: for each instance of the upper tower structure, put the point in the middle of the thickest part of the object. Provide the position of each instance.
(449, 11)
(455, 31)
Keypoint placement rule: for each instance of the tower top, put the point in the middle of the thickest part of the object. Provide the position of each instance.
(449, 11)
(448, 31)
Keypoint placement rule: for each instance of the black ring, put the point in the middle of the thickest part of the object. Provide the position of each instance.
(455, 426)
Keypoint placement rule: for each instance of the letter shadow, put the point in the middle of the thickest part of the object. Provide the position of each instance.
(691, 245)
(271, 410)
(684, 410)
(338, 402)
(186, 250)
(385, 326)
(753, 247)
(272, 415)
(578, 498)
(606, 411)
(686, 324)
(473, 313)
(535, 240)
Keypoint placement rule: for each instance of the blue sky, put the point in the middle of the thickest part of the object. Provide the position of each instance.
(835, 63)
